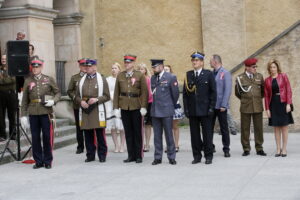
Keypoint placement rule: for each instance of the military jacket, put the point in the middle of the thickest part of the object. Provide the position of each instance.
(73, 87)
(34, 92)
(250, 92)
(131, 92)
(6, 82)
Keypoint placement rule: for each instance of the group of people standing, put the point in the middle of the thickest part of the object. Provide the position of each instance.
(132, 101)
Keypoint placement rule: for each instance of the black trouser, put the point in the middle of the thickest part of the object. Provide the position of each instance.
(197, 143)
(132, 122)
(7, 103)
(38, 123)
(95, 138)
(222, 117)
(79, 132)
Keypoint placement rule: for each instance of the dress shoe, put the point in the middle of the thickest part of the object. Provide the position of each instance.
(261, 153)
(195, 161)
(89, 159)
(283, 154)
(139, 160)
(128, 160)
(48, 166)
(156, 162)
(278, 154)
(233, 132)
(172, 162)
(37, 166)
(79, 151)
(102, 160)
(246, 153)
(226, 154)
(208, 161)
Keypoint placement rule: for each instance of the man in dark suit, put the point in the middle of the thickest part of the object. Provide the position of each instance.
(223, 86)
(165, 91)
(199, 98)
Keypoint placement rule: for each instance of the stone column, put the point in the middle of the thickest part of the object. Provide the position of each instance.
(35, 18)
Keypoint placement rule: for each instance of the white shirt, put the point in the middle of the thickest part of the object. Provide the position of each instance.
(198, 71)
(249, 75)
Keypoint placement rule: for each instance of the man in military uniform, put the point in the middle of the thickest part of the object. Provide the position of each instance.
(131, 95)
(72, 94)
(7, 101)
(165, 91)
(40, 93)
(249, 89)
(92, 93)
(199, 98)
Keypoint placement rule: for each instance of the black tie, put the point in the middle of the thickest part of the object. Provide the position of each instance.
(196, 75)
(157, 78)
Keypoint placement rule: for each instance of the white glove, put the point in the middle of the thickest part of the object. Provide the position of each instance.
(117, 113)
(143, 111)
(49, 103)
(20, 96)
(24, 122)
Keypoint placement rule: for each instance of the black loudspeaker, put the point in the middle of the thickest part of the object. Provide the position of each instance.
(18, 57)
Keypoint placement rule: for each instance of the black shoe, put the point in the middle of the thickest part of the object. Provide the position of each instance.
(172, 162)
(139, 160)
(226, 154)
(261, 153)
(208, 161)
(246, 153)
(214, 150)
(48, 166)
(156, 162)
(128, 160)
(102, 160)
(79, 151)
(195, 161)
(233, 133)
(37, 166)
(89, 159)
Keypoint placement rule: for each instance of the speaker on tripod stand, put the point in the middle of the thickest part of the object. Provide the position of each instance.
(18, 66)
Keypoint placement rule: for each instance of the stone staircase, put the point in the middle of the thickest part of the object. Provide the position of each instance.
(65, 134)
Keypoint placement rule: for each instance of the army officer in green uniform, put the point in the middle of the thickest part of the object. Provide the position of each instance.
(40, 93)
(249, 89)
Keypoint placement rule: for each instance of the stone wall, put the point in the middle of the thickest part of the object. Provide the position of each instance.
(286, 50)
(169, 29)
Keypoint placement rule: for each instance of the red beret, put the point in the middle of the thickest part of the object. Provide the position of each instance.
(250, 61)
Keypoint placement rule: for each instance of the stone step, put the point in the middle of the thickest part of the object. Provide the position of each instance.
(58, 143)
(65, 134)
(59, 132)
(59, 123)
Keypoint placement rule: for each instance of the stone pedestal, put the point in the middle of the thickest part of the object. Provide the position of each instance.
(36, 21)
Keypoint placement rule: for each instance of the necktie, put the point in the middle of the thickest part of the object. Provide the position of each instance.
(251, 76)
(196, 76)
(157, 78)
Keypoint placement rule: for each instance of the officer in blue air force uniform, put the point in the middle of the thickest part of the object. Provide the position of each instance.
(199, 98)
(165, 91)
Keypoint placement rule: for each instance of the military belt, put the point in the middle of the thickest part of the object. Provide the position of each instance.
(35, 100)
(125, 94)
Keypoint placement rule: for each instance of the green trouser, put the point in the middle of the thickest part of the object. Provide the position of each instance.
(258, 130)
